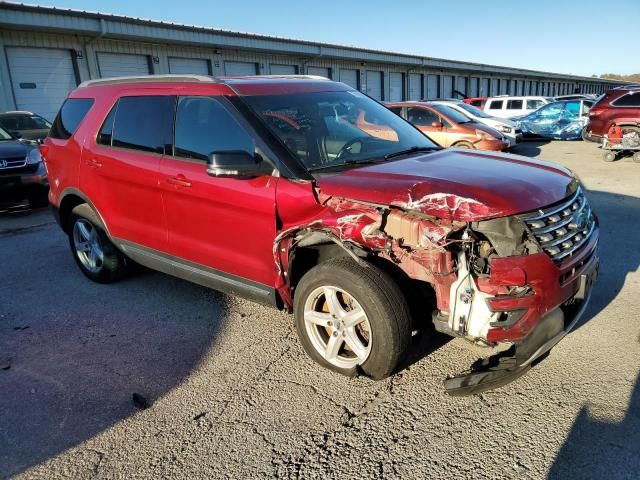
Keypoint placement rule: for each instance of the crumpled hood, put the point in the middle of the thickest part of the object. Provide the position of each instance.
(458, 185)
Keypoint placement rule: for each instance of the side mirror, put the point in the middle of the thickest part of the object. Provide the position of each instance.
(436, 124)
(237, 163)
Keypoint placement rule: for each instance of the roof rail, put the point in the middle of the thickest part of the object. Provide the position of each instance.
(262, 77)
(148, 79)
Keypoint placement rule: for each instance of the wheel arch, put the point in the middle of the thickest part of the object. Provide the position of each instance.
(69, 200)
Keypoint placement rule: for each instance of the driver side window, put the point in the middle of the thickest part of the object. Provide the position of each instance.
(421, 116)
(204, 126)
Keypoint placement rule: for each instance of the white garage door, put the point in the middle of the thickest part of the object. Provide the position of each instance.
(122, 65)
(319, 71)
(461, 85)
(473, 87)
(283, 69)
(415, 86)
(395, 87)
(350, 77)
(197, 66)
(240, 69)
(432, 86)
(447, 86)
(484, 87)
(374, 84)
(41, 78)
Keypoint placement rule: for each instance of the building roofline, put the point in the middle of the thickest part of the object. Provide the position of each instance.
(108, 25)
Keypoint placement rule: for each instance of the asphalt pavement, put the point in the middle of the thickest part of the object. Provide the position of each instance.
(223, 389)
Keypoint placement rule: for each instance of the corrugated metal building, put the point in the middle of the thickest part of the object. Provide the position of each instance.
(47, 51)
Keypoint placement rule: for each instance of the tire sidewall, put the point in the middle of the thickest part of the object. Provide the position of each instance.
(386, 347)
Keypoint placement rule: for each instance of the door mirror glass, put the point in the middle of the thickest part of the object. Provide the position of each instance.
(237, 163)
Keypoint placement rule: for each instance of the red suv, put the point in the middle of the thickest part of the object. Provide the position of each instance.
(620, 106)
(310, 196)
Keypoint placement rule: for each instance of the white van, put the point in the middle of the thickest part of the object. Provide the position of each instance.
(505, 106)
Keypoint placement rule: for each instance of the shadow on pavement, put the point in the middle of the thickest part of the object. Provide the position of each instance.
(73, 353)
(596, 449)
(529, 148)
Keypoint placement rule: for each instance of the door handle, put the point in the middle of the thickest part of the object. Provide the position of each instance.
(179, 181)
(92, 162)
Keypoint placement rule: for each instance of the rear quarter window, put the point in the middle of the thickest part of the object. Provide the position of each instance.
(628, 100)
(69, 117)
(495, 105)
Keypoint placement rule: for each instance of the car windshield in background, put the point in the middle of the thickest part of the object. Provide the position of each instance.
(4, 135)
(476, 112)
(330, 129)
(453, 114)
(24, 122)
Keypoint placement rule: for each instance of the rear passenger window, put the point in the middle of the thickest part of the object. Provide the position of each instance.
(628, 100)
(69, 117)
(396, 110)
(204, 126)
(514, 104)
(421, 116)
(534, 104)
(144, 123)
(495, 105)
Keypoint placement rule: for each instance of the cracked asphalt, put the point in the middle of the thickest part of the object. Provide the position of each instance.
(231, 394)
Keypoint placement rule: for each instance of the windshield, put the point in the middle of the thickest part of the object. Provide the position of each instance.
(455, 115)
(476, 112)
(327, 129)
(24, 122)
(4, 135)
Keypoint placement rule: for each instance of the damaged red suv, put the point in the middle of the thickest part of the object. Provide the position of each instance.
(310, 196)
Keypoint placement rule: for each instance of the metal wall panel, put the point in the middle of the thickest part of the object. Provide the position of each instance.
(374, 84)
(495, 87)
(278, 69)
(396, 87)
(240, 69)
(197, 66)
(433, 86)
(122, 64)
(474, 87)
(41, 78)
(484, 87)
(351, 77)
(447, 86)
(415, 86)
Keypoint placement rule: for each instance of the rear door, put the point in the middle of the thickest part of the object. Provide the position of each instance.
(119, 170)
(225, 224)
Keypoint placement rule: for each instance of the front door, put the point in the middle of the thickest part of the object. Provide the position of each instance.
(225, 224)
(429, 123)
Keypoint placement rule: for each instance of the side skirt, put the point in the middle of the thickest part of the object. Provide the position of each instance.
(196, 273)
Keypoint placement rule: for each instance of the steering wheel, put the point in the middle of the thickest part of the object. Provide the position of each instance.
(346, 148)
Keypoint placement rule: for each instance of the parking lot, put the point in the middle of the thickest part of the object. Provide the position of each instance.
(230, 392)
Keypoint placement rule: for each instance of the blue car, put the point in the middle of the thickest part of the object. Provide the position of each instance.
(563, 120)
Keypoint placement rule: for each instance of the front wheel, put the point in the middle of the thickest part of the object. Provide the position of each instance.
(351, 318)
(608, 156)
(636, 157)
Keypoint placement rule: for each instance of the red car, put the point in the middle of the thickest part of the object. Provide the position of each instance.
(477, 102)
(310, 196)
(620, 106)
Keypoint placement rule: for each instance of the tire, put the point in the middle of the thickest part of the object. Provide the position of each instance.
(585, 135)
(608, 156)
(463, 145)
(87, 240)
(383, 333)
(636, 157)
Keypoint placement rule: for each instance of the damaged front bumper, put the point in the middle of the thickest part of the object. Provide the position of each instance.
(507, 366)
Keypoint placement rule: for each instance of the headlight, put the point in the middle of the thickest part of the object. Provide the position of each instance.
(505, 129)
(33, 157)
(484, 135)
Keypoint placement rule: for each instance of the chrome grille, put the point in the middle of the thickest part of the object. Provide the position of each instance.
(13, 162)
(562, 229)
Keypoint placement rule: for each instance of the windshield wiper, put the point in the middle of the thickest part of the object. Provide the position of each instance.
(409, 150)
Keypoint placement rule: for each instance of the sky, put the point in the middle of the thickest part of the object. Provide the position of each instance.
(581, 37)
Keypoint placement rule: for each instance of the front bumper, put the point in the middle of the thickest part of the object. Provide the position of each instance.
(24, 176)
(505, 367)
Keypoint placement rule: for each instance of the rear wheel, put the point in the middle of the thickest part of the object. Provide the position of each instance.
(92, 250)
(585, 135)
(636, 157)
(608, 156)
(352, 318)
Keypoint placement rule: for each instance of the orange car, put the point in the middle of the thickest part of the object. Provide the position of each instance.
(448, 127)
